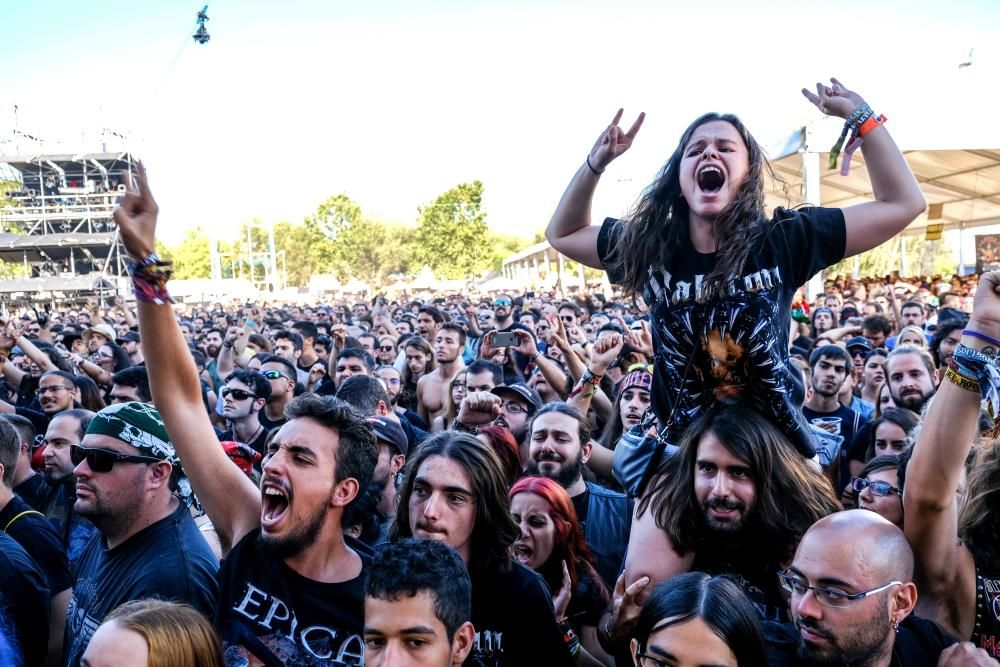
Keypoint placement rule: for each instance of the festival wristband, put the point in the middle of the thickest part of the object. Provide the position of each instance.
(870, 124)
(962, 381)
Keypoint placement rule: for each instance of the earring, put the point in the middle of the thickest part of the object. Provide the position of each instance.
(895, 625)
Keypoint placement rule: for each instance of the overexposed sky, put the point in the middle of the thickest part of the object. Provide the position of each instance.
(395, 102)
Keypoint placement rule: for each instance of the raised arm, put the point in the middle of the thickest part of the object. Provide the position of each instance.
(570, 231)
(929, 500)
(40, 358)
(229, 497)
(898, 199)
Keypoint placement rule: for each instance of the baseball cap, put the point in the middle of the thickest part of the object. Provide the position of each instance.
(860, 342)
(128, 337)
(521, 391)
(389, 431)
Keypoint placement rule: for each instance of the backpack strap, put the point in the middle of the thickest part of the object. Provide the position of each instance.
(11, 522)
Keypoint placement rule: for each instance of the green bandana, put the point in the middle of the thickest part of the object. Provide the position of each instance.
(137, 424)
(140, 425)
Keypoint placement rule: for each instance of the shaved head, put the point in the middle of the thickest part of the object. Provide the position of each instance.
(865, 539)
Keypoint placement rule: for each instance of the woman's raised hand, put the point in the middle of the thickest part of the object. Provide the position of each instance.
(835, 99)
(613, 141)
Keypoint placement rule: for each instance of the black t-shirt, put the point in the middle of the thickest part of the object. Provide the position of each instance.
(581, 503)
(268, 423)
(734, 336)
(918, 643)
(36, 535)
(74, 531)
(24, 599)
(270, 615)
(257, 444)
(848, 426)
(515, 621)
(34, 490)
(168, 560)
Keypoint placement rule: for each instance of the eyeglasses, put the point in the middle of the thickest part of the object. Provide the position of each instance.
(515, 408)
(103, 355)
(387, 348)
(502, 302)
(830, 597)
(55, 389)
(646, 660)
(878, 487)
(103, 460)
(274, 375)
(237, 394)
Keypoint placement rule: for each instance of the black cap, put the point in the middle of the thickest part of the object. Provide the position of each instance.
(521, 391)
(860, 342)
(390, 432)
(128, 337)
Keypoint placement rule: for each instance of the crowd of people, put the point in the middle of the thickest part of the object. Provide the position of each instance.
(704, 468)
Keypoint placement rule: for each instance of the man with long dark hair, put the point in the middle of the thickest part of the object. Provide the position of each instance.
(455, 491)
(735, 499)
(718, 274)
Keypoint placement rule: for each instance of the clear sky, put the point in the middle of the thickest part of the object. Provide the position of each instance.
(395, 102)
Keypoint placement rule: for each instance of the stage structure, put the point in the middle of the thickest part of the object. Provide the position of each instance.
(56, 225)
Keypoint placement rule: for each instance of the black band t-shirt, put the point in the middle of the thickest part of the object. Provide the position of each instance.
(270, 615)
(717, 341)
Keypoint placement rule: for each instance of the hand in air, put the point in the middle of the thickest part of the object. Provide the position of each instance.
(986, 305)
(479, 407)
(136, 217)
(606, 351)
(835, 99)
(613, 141)
(565, 594)
(525, 343)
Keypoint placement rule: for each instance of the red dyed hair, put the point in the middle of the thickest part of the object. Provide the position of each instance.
(503, 443)
(569, 544)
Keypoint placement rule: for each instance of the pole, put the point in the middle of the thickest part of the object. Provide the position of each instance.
(811, 194)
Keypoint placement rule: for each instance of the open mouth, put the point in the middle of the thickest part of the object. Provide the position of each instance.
(711, 179)
(522, 552)
(273, 505)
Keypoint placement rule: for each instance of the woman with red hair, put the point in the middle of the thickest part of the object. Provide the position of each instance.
(552, 544)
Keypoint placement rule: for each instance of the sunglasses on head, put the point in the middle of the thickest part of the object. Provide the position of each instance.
(274, 375)
(103, 460)
(878, 487)
(238, 394)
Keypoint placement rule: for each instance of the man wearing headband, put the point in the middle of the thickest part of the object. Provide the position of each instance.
(129, 484)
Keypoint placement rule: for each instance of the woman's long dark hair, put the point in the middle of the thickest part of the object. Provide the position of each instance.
(901, 417)
(715, 600)
(495, 532)
(790, 494)
(659, 221)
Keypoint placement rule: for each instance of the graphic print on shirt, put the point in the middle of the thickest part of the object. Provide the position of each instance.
(736, 349)
(487, 649)
(80, 625)
(263, 630)
(990, 608)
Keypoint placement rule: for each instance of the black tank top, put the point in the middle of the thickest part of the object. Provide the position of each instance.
(986, 634)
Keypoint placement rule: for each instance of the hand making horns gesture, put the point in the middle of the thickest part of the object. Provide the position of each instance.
(136, 217)
(613, 142)
(835, 99)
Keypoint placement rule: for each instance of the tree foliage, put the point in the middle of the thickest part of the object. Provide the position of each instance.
(452, 237)
(191, 257)
(923, 258)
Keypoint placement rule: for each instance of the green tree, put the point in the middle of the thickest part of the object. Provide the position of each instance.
(923, 257)
(503, 246)
(336, 215)
(307, 250)
(452, 237)
(191, 257)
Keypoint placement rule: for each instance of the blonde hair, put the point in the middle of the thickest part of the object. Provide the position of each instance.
(177, 635)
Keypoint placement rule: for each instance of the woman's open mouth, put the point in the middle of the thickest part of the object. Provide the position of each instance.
(711, 179)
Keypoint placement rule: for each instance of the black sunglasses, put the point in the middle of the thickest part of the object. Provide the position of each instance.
(103, 460)
(387, 348)
(238, 394)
